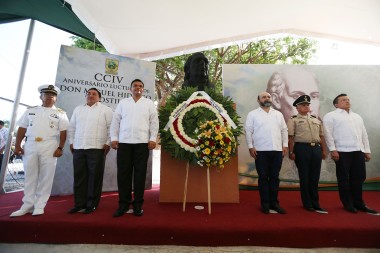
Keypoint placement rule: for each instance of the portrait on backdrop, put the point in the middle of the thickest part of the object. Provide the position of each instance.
(287, 82)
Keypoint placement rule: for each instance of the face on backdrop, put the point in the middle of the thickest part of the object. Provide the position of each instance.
(298, 83)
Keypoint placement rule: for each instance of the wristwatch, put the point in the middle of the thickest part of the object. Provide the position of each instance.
(60, 148)
(290, 152)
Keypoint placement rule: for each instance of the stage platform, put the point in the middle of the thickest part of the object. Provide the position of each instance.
(233, 224)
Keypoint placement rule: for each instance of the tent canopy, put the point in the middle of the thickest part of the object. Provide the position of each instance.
(151, 28)
(56, 13)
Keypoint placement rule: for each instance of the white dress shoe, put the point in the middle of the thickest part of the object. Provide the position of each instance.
(20, 212)
(38, 212)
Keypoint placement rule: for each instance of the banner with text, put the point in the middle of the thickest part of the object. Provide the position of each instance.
(78, 71)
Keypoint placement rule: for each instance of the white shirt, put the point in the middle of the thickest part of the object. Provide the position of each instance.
(135, 122)
(345, 132)
(2, 143)
(44, 122)
(89, 126)
(266, 131)
(3, 137)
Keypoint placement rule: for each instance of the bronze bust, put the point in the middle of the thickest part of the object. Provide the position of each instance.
(196, 72)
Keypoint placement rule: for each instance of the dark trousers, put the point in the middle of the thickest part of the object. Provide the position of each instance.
(132, 161)
(351, 173)
(268, 166)
(88, 176)
(308, 161)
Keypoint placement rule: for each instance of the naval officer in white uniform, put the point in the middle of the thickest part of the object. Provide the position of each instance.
(45, 130)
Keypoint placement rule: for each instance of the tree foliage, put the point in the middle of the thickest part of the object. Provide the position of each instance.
(87, 44)
(287, 50)
(170, 74)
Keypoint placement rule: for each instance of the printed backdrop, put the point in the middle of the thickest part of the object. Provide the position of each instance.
(79, 70)
(362, 84)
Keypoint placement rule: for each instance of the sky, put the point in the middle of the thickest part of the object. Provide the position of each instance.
(47, 40)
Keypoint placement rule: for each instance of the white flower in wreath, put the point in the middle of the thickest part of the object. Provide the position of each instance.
(181, 130)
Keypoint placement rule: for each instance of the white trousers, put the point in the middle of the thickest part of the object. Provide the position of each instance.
(39, 167)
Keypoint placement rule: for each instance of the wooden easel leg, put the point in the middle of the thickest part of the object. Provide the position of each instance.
(208, 190)
(185, 190)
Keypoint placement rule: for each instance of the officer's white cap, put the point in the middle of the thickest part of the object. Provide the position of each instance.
(49, 88)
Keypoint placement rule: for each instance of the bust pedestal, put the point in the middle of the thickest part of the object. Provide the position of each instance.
(224, 183)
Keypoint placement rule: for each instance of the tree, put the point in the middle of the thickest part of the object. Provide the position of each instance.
(169, 71)
(287, 50)
(87, 44)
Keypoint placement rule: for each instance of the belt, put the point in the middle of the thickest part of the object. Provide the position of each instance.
(309, 143)
(39, 139)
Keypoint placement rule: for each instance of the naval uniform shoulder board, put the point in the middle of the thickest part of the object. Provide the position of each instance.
(60, 110)
(294, 116)
(313, 116)
(30, 108)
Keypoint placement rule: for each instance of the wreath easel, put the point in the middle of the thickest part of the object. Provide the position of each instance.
(198, 103)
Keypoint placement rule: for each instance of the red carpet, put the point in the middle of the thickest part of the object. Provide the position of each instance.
(165, 224)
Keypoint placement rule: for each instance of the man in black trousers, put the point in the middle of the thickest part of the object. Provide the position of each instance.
(134, 132)
(307, 148)
(347, 140)
(89, 143)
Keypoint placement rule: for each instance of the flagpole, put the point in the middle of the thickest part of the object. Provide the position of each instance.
(16, 104)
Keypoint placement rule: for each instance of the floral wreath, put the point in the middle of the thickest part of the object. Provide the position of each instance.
(182, 139)
(176, 128)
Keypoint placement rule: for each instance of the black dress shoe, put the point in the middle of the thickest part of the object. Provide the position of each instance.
(351, 209)
(265, 209)
(367, 210)
(278, 209)
(89, 210)
(321, 210)
(310, 209)
(76, 209)
(119, 212)
(138, 212)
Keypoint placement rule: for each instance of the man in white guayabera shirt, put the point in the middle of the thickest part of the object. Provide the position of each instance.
(134, 130)
(267, 139)
(90, 143)
(347, 140)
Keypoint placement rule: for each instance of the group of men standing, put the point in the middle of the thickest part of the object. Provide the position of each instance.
(93, 129)
(303, 138)
(132, 130)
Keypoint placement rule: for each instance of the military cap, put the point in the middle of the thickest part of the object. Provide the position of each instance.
(49, 88)
(302, 100)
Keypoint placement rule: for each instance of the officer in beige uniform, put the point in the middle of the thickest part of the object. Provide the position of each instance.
(307, 148)
(45, 130)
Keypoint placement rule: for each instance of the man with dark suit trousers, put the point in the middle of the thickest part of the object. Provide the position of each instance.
(134, 132)
(307, 148)
(347, 140)
(89, 143)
